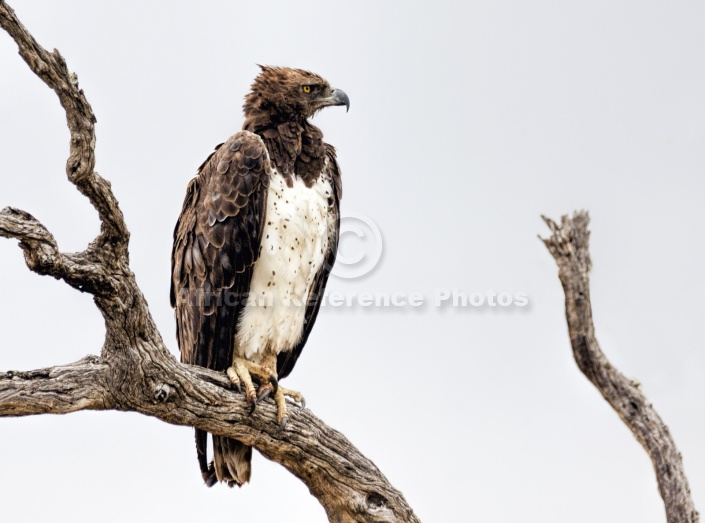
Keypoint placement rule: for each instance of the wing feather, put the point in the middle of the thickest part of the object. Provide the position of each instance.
(216, 244)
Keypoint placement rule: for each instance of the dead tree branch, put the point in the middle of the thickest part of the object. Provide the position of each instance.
(569, 245)
(135, 371)
(59, 390)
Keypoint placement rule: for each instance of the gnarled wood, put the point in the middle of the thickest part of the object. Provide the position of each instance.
(135, 371)
(58, 390)
(569, 245)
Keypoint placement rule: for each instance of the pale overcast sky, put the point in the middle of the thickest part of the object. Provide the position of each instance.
(468, 121)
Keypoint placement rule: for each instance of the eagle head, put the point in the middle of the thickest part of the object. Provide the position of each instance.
(290, 94)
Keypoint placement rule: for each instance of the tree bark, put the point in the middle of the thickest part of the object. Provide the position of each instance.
(135, 371)
(569, 245)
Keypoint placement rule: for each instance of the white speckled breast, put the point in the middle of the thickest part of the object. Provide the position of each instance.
(295, 243)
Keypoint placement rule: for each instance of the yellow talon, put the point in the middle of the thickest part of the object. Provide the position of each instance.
(241, 374)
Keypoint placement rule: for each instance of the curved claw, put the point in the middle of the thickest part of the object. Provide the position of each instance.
(275, 382)
(233, 378)
(300, 404)
(282, 425)
(264, 395)
(253, 404)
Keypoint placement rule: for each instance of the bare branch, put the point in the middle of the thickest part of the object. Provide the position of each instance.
(569, 245)
(348, 485)
(43, 257)
(51, 68)
(58, 390)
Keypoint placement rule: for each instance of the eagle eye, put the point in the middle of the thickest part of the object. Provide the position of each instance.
(306, 89)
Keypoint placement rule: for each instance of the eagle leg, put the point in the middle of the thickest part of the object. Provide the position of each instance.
(280, 399)
(242, 372)
(240, 376)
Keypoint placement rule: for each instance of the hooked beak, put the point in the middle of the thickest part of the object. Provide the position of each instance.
(338, 97)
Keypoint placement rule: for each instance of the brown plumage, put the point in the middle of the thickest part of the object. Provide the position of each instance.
(219, 236)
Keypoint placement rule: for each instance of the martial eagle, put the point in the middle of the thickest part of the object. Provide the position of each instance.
(253, 247)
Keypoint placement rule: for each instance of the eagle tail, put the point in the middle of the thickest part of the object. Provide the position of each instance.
(231, 460)
(207, 472)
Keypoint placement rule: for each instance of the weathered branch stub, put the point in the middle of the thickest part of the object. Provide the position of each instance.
(569, 245)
